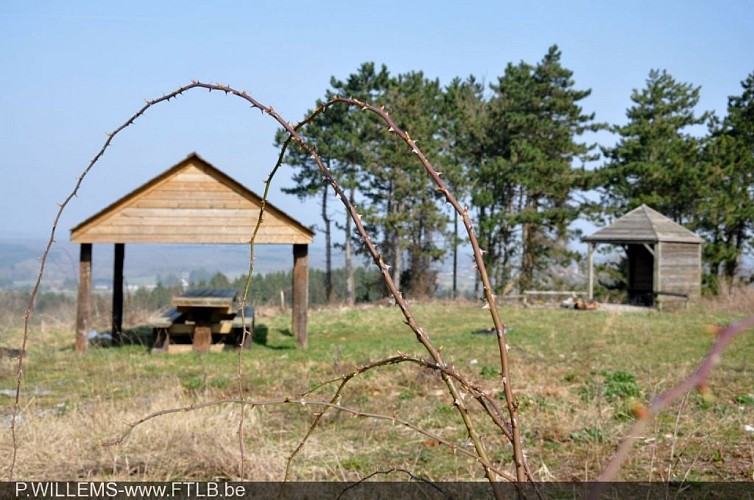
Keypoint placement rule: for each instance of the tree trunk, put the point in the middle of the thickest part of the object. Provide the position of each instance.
(328, 245)
(455, 255)
(350, 285)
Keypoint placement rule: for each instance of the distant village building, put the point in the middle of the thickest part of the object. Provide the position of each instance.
(664, 258)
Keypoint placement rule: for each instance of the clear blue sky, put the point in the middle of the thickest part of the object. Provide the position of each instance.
(72, 70)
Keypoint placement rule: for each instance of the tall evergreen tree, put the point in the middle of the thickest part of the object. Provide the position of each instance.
(464, 117)
(343, 140)
(725, 213)
(403, 207)
(525, 186)
(656, 160)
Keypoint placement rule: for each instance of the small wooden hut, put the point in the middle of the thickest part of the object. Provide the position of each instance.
(191, 202)
(664, 258)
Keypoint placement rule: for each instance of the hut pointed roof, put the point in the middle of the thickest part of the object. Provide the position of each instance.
(191, 202)
(643, 225)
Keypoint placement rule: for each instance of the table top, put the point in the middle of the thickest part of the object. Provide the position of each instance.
(206, 297)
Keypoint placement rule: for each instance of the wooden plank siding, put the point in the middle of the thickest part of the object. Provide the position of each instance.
(192, 202)
(681, 269)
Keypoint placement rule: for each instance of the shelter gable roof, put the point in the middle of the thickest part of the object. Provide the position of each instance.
(643, 225)
(191, 202)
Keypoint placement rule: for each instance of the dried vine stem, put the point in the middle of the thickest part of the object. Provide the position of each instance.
(40, 275)
(393, 470)
(484, 400)
(303, 402)
(500, 327)
(696, 380)
(246, 335)
(421, 335)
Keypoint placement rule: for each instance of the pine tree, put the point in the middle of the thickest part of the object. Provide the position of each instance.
(342, 138)
(726, 208)
(462, 127)
(403, 207)
(525, 184)
(656, 160)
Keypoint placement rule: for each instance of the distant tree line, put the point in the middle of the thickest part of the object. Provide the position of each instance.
(266, 288)
(516, 152)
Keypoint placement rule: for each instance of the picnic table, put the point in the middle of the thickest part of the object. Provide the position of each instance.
(204, 319)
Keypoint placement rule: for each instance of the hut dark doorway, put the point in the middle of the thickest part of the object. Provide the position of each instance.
(641, 267)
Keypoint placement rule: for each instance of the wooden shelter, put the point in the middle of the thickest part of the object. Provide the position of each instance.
(664, 258)
(191, 202)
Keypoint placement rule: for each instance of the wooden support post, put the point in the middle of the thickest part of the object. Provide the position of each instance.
(117, 323)
(83, 311)
(590, 294)
(657, 285)
(300, 295)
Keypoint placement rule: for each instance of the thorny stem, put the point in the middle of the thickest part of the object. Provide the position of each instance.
(392, 470)
(500, 328)
(295, 401)
(38, 282)
(410, 320)
(487, 403)
(245, 337)
(696, 380)
(292, 131)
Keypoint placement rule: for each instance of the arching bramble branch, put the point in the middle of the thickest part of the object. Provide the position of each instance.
(421, 335)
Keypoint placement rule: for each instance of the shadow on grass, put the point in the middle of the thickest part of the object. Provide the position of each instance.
(143, 336)
(261, 333)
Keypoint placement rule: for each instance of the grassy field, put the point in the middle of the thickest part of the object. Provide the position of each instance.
(576, 374)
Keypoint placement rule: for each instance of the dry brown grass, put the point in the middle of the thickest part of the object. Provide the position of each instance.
(731, 299)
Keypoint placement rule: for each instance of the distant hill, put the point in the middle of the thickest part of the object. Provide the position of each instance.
(144, 264)
(148, 264)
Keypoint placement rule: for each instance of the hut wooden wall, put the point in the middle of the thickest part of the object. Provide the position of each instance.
(680, 271)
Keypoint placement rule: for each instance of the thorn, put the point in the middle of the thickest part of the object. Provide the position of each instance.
(704, 390)
(640, 411)
(714, 329)
(390, 129)
(486, 305)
